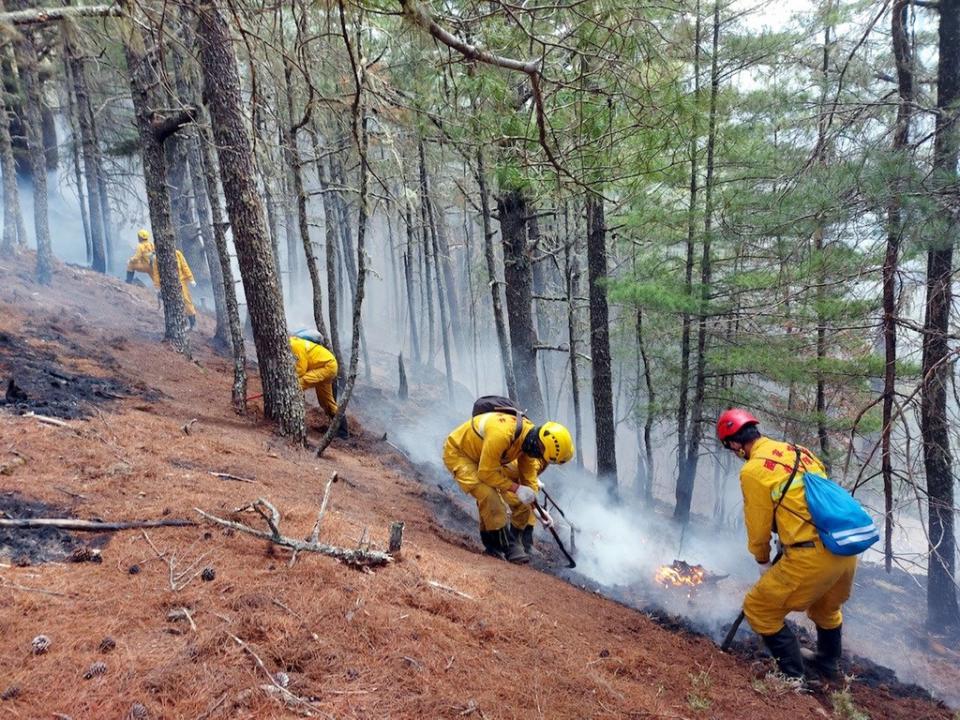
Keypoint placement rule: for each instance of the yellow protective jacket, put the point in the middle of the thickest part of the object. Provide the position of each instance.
(145, 260)
(761, 480)
(311, 360)
(488, 441)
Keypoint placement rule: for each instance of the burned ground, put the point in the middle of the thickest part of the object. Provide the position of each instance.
(441, 633)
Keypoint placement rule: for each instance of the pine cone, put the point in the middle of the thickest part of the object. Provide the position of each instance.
(85, 554)
(208, 574)
(98, 668)
(137, 712)
(107, 645)
(11, 693)
(41, 643)
(282, 679)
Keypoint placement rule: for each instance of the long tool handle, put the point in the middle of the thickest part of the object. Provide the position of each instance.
(254, 397)
(573, 563)
(728, 640)
(731, 632)
(554, 503)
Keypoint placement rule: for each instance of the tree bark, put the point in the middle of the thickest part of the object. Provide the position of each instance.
(77, 163)
(600, 345)
(330, 244)
(144, 76)
(491, 261)
(78, 76)
(26, 56)
(901, 141)
(14, 233)
(684, 390)
(688, 475)
(572, 273)
(512, 212)
(942, 607)
(283, 400)
(204, 143)
(408, 276)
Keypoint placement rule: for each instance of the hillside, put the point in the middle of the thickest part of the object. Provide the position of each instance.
(443, 632)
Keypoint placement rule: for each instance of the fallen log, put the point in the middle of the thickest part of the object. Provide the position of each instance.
(92, 525)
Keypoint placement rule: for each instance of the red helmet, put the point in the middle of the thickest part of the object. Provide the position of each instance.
(730, 422)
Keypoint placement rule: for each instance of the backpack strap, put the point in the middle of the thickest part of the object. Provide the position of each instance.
(783, 494)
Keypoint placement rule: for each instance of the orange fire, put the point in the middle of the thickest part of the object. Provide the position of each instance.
(680, 574)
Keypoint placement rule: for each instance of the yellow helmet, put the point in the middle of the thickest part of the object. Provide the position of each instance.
(557, 443)
(143, 234)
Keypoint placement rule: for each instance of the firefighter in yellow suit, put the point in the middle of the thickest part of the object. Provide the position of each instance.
(145, 260)
(807, 577)
(478, 453)
(317, 368)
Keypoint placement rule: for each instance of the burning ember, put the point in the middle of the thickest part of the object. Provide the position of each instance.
(680, 574)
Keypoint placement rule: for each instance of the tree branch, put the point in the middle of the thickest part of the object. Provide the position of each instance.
(164, 127)
(48, 15)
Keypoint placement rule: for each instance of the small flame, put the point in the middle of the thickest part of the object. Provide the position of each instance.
(680, 574)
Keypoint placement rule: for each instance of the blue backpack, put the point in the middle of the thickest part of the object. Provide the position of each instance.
(844, 526)
(311, 335)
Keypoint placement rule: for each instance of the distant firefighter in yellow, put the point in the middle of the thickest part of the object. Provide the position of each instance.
(145, 260)
(317, 368)
(484, 452)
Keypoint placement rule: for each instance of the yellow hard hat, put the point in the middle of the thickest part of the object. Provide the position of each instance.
(143, 234)
(557, 443)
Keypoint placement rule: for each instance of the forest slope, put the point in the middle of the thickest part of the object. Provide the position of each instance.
(441, 633)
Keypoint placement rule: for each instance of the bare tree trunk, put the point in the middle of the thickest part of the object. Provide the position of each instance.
(600, 344)
(942, 607)
(77, 75)
(490, 257)
(684, 389)
(77, 165)
(901, 141)
(572, 274)
(512, 211)
(14, 233)
(144, 76)
(330, 243)
(185, 225)
(283, 400)
(204, 143)
(361, 139)
(408, 275)
(26, 55)
(648, 416)
(688, 473)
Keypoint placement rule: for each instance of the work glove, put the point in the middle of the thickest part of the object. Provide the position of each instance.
(763, 567)
(193, 283)
(545, 518)
(526, 495)
(130, 277)
(541, 484)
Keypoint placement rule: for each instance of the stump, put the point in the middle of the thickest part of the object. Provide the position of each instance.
(396, 537)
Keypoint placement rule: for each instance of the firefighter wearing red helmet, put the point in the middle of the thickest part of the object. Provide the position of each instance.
(808, 577)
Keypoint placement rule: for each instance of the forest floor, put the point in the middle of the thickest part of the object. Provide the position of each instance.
(442, 632)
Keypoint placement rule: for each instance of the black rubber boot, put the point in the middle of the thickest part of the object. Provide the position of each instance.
(515, 552)
(785, 649)
(491, 543)
(192, 319)
(826, 661)
(343, 432)
(526, 537)
(130, 277)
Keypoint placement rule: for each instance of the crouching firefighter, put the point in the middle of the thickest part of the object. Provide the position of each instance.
(807, 576)
(317, 368)
(145, 260)
(478, 454)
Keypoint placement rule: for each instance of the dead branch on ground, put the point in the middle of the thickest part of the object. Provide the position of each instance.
(357, 557)
(229, 476)
(92, 525)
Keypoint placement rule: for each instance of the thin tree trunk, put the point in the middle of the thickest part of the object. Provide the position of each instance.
(408, 275)
(512, 211)
(684, 389)
(185, 226)
(600, 344)
(283, 400)
(572, 274)
(689, 472)
(942, 607)
(490, 257)
(13, 230)
(901, 142)
(77, 166)
(442, 302)
(330, 243)
(204, 143)
(648, 418)
(77, 76)
(818, 235)
(144, 76)
(26, 55)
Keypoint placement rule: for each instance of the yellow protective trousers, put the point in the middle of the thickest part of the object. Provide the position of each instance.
(809, 579)
(492, 504)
